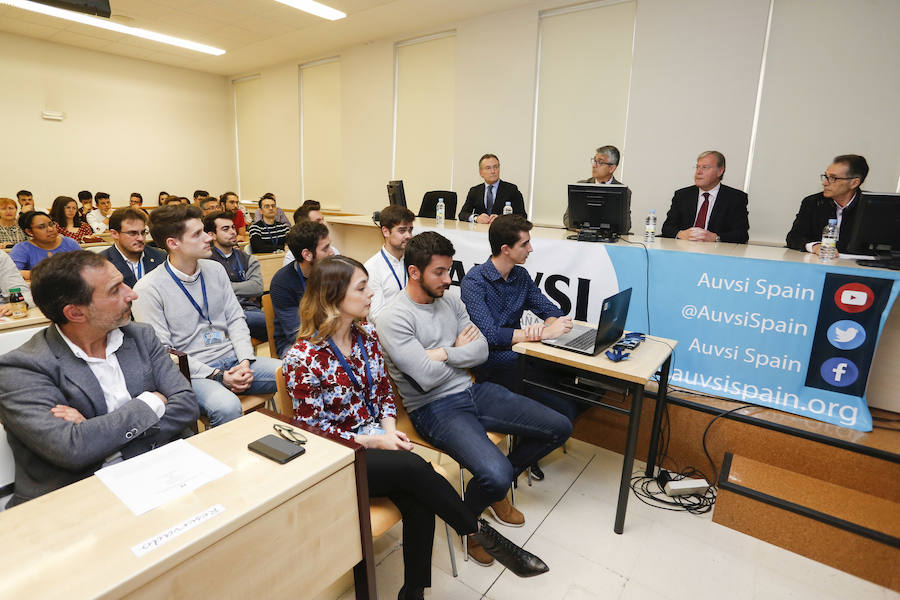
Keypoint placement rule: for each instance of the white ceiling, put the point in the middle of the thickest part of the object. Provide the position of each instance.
(254, 33)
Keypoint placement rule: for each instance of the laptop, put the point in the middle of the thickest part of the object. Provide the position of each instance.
(590, 340)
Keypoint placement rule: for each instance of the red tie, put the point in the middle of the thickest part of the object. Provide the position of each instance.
(701, 215)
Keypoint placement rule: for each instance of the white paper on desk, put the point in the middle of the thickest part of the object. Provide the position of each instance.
(156, 477)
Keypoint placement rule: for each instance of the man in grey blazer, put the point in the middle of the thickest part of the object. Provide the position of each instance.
(92, 388)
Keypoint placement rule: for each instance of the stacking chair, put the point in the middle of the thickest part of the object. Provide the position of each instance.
(269, 311)
(428, 209)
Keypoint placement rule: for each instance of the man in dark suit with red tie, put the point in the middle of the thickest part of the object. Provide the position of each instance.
(485, 202)
(708, 211)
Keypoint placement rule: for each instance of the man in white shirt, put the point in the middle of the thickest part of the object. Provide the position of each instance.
(91, 389)
(387, 271)
(98, 218)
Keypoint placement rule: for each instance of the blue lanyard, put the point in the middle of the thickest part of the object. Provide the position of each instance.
(140, 267)
(188, 294)
(393, 272)
(343, 362)
(302, 278)
(236, 267)
(266, 226)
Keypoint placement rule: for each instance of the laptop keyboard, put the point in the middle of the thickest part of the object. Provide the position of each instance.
(584, 341)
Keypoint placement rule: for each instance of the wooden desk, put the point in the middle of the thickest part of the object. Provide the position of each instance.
(287, 531)
(653, 356)
(35, 317)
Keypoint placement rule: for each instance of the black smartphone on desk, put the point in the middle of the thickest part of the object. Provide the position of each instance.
(276, 448)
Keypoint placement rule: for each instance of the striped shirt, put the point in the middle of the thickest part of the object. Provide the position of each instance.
(265, 238)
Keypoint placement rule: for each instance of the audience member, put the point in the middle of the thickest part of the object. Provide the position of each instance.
(129, 252)
(11, 278)
(310, 243)
(838, 199)
(485, 201)
(26, 204)
(279, 214)
(210, 205)
(191, 307)
(232, 204)
(310, 210)
(429, 344)
(45, 241)
(99, 217)
(93, 388)
(199, 195)
(87, 204)
(136, 201)
(10, 232)
(708, 211)
(242, 268)
(603, 164)
(268, 234)
(387, 271)
(161, 198)
(357, 404)
(64, 213)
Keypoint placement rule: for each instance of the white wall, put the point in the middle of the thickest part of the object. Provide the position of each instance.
(130, 125)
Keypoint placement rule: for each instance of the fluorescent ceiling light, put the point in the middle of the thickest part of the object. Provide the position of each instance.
(315, 8)
(112, 26)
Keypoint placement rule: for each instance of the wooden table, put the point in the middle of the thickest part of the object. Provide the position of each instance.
(287, 531)
(652, 357)
(35, 317)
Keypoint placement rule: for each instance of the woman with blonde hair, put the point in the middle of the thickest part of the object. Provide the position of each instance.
(336, 376)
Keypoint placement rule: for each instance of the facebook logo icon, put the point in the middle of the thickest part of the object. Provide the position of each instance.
(839, 372)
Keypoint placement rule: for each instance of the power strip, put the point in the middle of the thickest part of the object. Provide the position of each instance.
(685, 487)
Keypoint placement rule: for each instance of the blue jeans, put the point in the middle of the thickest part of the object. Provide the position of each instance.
(256, 323)
(457, 423)
(221, 404)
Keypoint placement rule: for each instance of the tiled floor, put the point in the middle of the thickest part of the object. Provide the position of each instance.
(661, 555)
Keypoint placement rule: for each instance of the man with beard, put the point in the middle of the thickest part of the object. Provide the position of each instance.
(91, 389)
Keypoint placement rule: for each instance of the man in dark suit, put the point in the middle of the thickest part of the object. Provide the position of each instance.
(92, 388)
(708, 211)
(603, 164)
(485, 201)
(129, 254)
(837, 200)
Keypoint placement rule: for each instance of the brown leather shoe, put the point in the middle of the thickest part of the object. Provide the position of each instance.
(477, 553)
(506, 514)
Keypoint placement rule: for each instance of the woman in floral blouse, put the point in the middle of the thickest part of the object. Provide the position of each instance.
(335, 374)
(65, 213)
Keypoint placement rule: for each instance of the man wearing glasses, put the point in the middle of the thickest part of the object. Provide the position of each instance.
(837, 200)
(485, 201)
(708, 211)
(603, 164)
(129, 254)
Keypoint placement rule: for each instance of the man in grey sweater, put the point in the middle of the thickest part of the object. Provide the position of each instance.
(429, 342)
(190, 304)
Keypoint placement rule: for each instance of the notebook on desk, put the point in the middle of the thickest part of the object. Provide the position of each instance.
(593, 340)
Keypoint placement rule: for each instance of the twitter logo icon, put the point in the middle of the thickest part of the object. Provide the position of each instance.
(846, 335)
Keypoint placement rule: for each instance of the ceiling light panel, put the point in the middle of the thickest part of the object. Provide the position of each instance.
(315, 8)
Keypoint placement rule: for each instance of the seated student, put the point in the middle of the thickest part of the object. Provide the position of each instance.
(129, 252)
(279, 214)
(429, 343)
(210, 205)
(486, 201)
(310, 210)
(26, 204)
(10, 232)
(311, 243)
(136, 201)
(64, 213)
(161, 198)
(199, 196)
(231, 203)
(268, 234)
(11, 278)
(45, 241)
(841, 183)
(335, 375)
(495, 294)
(91, 389)
(87, 204)
(386, 268)
(708, 211)
(99, 217)
(191, 307)
(242, 268)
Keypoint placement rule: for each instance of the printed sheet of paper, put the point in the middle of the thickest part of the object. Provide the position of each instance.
(156, 477)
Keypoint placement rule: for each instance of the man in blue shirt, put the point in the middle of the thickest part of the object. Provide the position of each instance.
(309, 242)
(496, 293)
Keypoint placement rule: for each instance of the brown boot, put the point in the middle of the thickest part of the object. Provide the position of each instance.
(506, 514)
(477, 553)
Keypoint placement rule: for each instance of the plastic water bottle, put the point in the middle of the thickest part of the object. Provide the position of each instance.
(650, 227)
(17, 303)
(439, 212)
(507, 210)
(828, 249)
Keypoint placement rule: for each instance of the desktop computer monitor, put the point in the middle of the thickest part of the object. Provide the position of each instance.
(876, 230)
(396, 195)
(602, 211)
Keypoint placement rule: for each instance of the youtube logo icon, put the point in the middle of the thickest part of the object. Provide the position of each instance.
(854, 297)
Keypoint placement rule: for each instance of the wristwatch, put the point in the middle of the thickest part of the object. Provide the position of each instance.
(218, 376)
